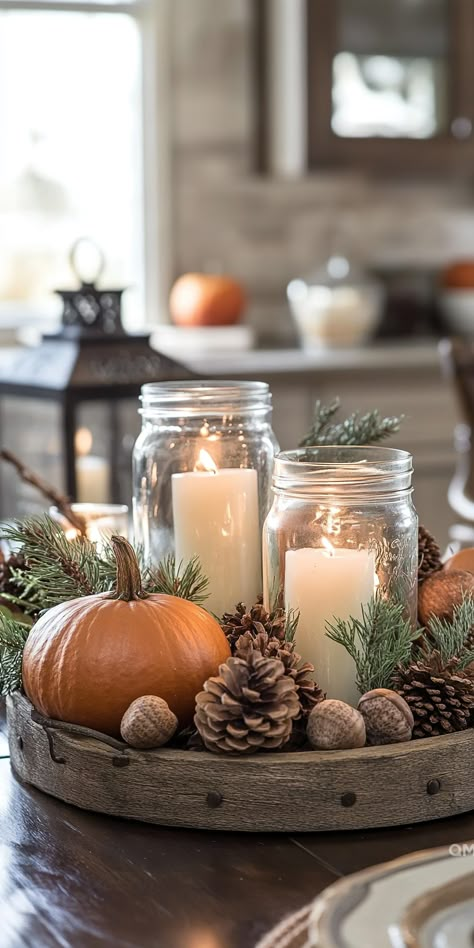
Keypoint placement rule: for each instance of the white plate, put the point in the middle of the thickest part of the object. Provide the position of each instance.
(425, 900)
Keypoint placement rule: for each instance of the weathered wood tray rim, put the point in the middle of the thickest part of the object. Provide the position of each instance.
(276, 792)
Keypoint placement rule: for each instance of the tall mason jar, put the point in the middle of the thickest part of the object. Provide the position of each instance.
(342, 527)
(202, 469)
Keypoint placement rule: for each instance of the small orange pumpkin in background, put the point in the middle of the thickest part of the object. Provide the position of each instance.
(205, 299)
(86, 660)
(459, 275)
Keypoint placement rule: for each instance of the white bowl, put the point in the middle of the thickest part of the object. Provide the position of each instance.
(457, 308)
(334, 316)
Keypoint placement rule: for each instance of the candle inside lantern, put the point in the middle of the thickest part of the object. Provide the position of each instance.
(102, 521)
(215, 514)
(92, 472)
(324, 583)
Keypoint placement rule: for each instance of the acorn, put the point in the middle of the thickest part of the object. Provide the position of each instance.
(148, 722)
(388, 718)
(442, 592)
(335, 725)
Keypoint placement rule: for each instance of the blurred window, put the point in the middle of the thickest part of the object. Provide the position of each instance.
(70, 150)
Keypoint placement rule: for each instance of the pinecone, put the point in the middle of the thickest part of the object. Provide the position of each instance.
(309, 693)
(440, 695)
(254, 620)
(16, 561)
(250, 706)
(429, 554)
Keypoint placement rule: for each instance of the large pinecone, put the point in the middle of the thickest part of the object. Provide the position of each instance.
(249, 706)
(429, 554)
(309, 693)
(254, 620)
(440, 695)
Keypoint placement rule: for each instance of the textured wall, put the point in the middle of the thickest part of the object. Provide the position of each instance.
(267, 230)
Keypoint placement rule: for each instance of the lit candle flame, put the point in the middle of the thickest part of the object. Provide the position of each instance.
(328, 547)
(205, 463)
(83, 442)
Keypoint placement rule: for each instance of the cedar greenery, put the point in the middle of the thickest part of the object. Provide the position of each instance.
(378, 642)
(13, 636)
(357, 429)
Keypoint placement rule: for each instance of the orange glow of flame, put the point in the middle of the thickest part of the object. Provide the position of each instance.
(205, 463)
(83, 442)
(327, 546)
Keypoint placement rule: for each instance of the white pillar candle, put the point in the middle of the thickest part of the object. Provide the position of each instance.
(92, 480)
(215, 517)
(322, 584)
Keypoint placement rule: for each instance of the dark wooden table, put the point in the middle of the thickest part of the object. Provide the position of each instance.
(70, 879)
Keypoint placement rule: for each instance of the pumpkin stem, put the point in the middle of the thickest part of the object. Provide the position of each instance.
(128, 585)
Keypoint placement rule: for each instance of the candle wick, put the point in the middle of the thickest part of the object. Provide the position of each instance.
(200, 468)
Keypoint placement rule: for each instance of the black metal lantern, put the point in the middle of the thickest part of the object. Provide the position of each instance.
(68, 407)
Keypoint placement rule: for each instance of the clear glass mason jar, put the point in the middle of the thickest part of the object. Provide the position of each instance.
(191, 432)
(342, 526)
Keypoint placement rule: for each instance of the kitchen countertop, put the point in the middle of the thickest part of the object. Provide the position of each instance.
(413, 354)
(391, 356)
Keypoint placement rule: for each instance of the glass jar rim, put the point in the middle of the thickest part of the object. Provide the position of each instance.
(353, 469)
(196, 395)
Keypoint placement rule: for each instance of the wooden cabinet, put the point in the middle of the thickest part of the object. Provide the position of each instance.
(390, 84)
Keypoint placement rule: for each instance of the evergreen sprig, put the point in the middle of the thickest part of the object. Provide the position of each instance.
(369, 428)
(58, 568)
(378, 642)
(291, 624)
(13, 636)
(185, 580)
(453, 639)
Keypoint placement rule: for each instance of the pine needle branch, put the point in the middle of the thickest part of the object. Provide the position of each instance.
(13, 636)
(291, 624)
(357, 429)
(378, 642)
(58, 568)
(453, 639)
(186, 581)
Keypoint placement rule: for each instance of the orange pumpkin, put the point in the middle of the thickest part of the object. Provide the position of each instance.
(204, 299)
(86, 660)
(459, 275)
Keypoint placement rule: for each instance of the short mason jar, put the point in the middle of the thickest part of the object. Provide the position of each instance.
(342, 527)
(191, 430)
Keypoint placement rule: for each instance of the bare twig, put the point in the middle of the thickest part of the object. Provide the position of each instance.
(54, 496)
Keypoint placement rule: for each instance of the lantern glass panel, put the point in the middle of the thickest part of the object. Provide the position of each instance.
(104, 437)
(31, 429)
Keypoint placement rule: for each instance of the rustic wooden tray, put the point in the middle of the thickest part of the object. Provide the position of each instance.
(295, 792)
